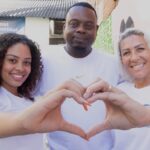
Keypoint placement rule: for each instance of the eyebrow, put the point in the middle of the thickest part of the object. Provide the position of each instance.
(134, 47)
(124, 49)
(139, 45)
(17, 56)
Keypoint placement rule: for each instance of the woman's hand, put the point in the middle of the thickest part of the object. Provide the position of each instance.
(121, 111)
(45, 114)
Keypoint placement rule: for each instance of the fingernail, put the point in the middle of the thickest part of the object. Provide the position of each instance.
(87, 103)
(86, 95)
(85, 107)
(86, 138)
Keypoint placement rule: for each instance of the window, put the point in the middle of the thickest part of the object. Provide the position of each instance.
(56, 32)
(12, 25)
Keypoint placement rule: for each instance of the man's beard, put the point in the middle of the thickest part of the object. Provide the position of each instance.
(80, 48)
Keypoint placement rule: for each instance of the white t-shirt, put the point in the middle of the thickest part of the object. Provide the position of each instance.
(12, 103)
(59, 67)
(137, 138)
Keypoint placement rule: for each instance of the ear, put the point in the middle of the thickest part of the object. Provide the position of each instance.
(129, 23)
(122, 26)
(97, 26)
(64, 26)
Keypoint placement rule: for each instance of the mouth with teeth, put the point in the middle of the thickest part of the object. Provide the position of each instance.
(137, 67)
(18, 77)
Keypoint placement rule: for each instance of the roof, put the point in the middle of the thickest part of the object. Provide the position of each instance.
(53, 9)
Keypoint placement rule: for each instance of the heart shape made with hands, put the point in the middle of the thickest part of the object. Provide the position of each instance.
(73, 113)
(87, 120)
(104, 114)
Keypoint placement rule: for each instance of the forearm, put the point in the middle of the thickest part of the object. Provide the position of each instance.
(10, 125)
(147, 117)
(138, 114)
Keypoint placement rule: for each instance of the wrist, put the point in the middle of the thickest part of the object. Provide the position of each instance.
(21, 125)
(147, 116)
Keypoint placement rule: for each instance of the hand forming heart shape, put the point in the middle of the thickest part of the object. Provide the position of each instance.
(73, 113)
(118, 108)
(45, 115)
(121, 111)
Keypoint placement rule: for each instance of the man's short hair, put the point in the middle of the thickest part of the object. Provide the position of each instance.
(83, 4)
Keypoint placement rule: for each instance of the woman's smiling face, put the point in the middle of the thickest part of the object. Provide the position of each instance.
(16, 67)
(135, 57)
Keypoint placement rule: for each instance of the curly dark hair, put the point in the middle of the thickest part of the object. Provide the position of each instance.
(9, 39)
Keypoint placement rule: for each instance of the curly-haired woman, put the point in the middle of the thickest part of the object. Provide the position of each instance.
(20, 71)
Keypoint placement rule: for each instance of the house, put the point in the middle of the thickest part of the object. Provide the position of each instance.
(40, 20)
(43, 20)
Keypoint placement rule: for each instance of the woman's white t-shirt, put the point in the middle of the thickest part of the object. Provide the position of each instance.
(12, 103)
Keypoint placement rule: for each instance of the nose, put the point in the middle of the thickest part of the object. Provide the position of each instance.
(19, 67)
(134, 56)
(80, 29)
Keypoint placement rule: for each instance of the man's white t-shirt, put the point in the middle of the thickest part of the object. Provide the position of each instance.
(59, 67)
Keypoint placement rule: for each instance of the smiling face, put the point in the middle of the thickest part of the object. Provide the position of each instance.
(135, 57)
(16, 67)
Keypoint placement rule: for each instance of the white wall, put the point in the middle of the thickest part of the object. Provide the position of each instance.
(137, 9)
(38, 30)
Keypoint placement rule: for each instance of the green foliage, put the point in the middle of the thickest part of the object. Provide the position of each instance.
(104, 36)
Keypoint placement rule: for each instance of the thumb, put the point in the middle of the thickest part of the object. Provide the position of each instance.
(98, 128)
(74, 129)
